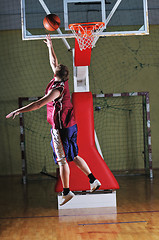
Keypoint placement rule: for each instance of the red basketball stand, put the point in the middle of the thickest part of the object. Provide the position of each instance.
(83, 109)
(82, 58)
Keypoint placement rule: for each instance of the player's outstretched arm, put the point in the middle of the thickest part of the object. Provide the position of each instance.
(52, 55)
(51, 96)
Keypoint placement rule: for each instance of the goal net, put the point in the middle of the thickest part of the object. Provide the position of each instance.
(121, 127)
(36, 152)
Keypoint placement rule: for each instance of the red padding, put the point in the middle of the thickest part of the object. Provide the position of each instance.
(83, 109)
(82, 58)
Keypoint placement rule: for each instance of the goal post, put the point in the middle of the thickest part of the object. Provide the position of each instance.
(122, 124)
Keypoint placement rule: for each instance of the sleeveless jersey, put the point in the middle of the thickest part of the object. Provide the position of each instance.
(60, 111)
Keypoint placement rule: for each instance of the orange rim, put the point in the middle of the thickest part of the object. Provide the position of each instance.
(89, 26)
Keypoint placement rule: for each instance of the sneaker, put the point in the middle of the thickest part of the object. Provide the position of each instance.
(95, 185)
(67, 198)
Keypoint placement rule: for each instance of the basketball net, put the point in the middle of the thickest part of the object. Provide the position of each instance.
(87, 34)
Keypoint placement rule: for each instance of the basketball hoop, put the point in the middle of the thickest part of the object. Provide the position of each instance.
(87, 34)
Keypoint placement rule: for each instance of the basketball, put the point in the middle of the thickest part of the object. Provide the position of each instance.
(51, 22)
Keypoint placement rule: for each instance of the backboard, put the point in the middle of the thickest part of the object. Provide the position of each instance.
(121, 17)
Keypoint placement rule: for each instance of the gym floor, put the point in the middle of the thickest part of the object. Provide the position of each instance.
(30, 212)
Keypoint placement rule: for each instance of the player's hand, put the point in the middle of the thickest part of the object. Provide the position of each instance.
(12, 114)
(48, 41)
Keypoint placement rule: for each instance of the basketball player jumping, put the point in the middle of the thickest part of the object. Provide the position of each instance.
(64, 129)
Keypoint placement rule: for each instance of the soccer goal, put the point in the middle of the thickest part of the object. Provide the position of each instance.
(122, 125)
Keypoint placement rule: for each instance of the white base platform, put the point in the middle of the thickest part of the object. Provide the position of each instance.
(90, 200)
(87, 214)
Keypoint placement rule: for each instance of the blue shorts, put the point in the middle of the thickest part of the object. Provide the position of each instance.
(64, 143)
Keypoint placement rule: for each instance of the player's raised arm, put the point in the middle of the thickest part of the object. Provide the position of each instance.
(52, 55)
(51, 96)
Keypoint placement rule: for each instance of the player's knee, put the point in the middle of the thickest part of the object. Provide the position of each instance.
(62, 161)
(75, 158)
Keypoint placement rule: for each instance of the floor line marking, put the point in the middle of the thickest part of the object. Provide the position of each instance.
(88, 224)
(80, 215)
